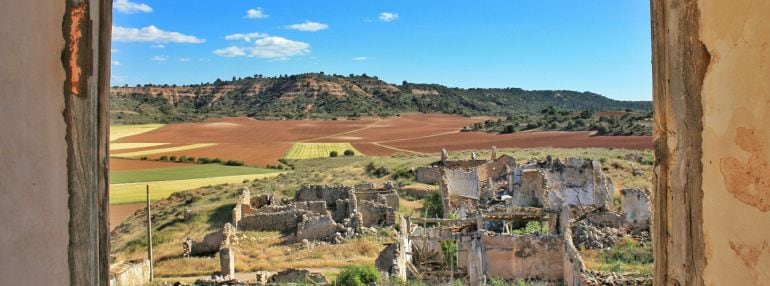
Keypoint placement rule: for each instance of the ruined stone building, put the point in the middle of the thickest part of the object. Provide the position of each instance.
(319, 212)
(488, 199)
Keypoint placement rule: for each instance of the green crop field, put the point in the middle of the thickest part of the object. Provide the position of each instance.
(318, 150)
(135, 192)
(183, 173)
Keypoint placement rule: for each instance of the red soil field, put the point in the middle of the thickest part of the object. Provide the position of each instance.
(120, 212)
(121, 151)
(264, 142)
(125, 164)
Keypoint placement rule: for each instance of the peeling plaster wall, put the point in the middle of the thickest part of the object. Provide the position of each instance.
(736, 142)
(32, 144)
(524, 256)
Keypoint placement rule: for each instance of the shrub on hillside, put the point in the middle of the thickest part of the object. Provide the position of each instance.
(349, 152)
(333, 154)
(203, 160)
(432, 205)
(164, 158)
(358, 275)
(234, 163)
(216, 161)
(172, 158)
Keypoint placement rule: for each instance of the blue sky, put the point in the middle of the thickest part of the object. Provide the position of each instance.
(601, 46)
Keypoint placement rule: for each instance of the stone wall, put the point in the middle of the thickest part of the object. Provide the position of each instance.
(636, 206)
(428, 175)
(284, 221)
(328, 193)
(460, 190)
(375, 214)
(577, 182)
(130, 273)
(317, 227)
(524, 256)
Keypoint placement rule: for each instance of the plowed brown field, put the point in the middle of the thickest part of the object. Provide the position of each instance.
(264, 142)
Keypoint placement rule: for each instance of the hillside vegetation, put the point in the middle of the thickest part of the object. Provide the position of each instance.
(318, 95)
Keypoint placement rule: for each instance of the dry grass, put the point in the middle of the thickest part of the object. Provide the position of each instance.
(163, 150)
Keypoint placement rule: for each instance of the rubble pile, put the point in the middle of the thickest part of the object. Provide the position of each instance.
(616, 279)
(589, 236)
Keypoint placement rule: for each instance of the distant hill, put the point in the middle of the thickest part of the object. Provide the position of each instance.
(328, 96)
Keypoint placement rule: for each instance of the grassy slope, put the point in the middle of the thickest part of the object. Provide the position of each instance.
(183, 173)
(212, 207)
(318, 150)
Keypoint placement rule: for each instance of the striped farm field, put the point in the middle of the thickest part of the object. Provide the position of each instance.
(124, 146)
(163, 150)
(135, 192)
(318, 150)
(120, 131)
(183, 173)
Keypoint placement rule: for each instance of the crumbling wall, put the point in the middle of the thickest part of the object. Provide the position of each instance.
(136, 272)
(317, 227)
(537, 257)
(428, 175)
(376, 214)
(283, 221)
(530, 188)
(328, 193)
(636, 206)
(460, 190)
(577, 182)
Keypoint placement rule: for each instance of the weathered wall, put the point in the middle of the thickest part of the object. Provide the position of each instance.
(524, 256)
(285, 221)
(736, 142)
(428, 175)
(33, 169)
(636, 206)
(131, 273)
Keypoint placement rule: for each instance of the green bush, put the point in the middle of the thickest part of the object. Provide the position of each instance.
(234, 163)
(349, 152)
(203, 160)
(164, 158)
(172, 158)
(333, 154)
(432, 205)
(358, 275)
(216, 161)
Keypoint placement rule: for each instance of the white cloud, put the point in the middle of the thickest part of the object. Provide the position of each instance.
(184, 60)
(129, 7)
(159, 58)
(152, 34)
(360, 58)
(246, 37)
(256, 14)
(388, 16)
(267, 47)
(116, 63)
(230, 52)
(308, 26)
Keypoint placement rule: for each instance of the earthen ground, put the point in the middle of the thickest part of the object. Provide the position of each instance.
(264, 142)
(120, 212)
